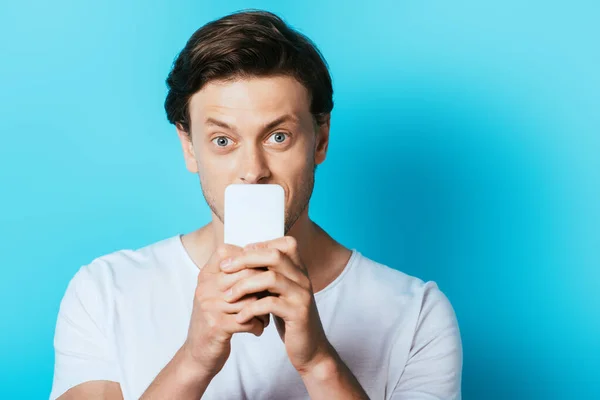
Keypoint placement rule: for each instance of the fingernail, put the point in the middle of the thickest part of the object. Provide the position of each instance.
(226, 263)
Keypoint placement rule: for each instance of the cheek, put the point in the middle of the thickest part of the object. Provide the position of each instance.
(301, 159)
(296, 171)
(214, 165)
(215, 173)
(291, 169)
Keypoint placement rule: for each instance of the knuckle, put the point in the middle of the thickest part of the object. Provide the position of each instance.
(250, 272)
(222, 250)
(220, 282)
(233, 289)
(205, 305)
(255, 271)
(248, 308)
(270, 300)
(292, 243)
(271, 276)
(213, 325)
(306, 297)
(243, 301)
(250, 299)
(275, 255)
(199, 294)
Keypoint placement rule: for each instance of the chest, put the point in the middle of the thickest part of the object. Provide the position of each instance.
(146, 339)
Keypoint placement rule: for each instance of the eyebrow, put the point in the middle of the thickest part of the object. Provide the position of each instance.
(266, 127)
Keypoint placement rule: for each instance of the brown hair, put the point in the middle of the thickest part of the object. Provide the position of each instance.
(245, 44)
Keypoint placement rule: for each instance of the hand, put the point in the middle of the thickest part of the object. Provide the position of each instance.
(292, 303)
(213, 319)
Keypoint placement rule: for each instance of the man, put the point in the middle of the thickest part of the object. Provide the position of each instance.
(183, 319)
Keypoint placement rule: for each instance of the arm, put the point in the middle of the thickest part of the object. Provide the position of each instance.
(94, 390)
(179, 379)
(330, 378)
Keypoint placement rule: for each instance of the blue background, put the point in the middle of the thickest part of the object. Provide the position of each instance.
(465, 148)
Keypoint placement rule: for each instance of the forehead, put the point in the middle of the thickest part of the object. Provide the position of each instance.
(255, 98)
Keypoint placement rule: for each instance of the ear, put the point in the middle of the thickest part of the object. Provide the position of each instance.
(188, 149)
(322, 140)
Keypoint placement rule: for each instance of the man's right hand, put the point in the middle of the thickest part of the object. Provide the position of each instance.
(212, 323)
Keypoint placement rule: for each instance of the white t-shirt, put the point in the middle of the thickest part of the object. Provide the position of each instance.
(126, 314)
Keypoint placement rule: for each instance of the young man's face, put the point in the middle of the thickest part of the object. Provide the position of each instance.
(255, 130)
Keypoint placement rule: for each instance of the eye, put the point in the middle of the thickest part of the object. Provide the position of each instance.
(221, 141)
(279, 137)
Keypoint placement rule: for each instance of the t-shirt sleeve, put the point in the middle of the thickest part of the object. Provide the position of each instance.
(434, 367)
(82, 349)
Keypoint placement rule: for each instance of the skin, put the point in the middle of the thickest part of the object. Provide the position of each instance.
(232, 140)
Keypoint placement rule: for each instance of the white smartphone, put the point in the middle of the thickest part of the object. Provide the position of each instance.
(253, 213)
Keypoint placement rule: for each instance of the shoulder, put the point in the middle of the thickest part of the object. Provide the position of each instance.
(124, 269)
(389, 283)
(408, 296)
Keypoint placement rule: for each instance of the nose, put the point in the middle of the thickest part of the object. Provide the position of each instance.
(254, 168)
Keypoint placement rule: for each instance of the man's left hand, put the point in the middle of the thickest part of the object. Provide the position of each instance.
(291, 301)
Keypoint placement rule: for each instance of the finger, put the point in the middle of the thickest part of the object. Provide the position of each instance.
(270, 281)
(268, 305)
(285, 244)
(222, 252)
(225, 280)
(251, 325)
(273, 259)
(235, 307)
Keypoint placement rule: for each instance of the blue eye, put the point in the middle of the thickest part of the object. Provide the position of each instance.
(279, 137)
(221, 141)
